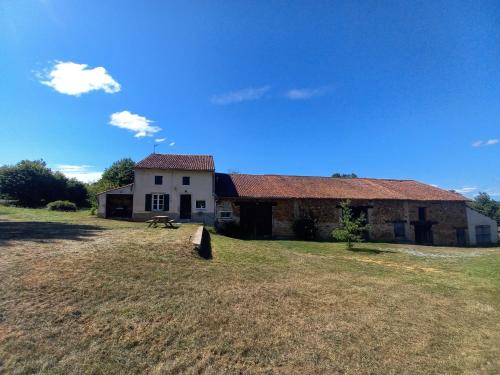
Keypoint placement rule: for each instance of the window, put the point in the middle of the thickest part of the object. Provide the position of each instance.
(399, 230)
(422, 214)
(158, 202)
(158, 180)
(225, 214)
(201, 205)
(358, 212)
(186, 180)
(483, 234)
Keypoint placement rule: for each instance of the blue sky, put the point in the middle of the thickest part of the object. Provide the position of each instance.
(385, 89)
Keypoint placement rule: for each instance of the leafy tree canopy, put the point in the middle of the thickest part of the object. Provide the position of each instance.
(120, 173)
(487, 206)
(33, 184)
(345, 175)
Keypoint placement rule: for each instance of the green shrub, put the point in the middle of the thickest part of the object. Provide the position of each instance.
(8, 202)
(351, 228)
(305, 228)
(61, 206)
(93, 211)
(228, 228)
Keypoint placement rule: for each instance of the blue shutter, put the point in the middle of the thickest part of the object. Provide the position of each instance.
(166, 202)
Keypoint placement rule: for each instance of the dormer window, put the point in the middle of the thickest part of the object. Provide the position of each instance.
(158, 180)
(186, 180)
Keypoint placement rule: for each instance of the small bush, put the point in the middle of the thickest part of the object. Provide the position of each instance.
(305, 228)
(61, 206)
(8, 202)
(228, 228)
(93, 211)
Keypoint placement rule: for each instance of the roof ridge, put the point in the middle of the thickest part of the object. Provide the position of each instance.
(177, 161)
(326, 177)
(156, 153)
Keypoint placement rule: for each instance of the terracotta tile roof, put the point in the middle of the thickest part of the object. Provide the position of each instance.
(276, 186)
(182, 162)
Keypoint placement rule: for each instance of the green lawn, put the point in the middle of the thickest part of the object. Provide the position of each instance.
(80, 294)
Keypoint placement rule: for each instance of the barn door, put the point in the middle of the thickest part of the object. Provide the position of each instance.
(256, 219)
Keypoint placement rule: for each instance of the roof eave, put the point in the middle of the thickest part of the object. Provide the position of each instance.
(177, 169)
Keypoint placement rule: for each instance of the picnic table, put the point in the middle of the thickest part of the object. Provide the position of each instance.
(166, 220)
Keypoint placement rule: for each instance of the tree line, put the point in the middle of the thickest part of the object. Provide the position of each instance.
(30, 183)
(487, 206)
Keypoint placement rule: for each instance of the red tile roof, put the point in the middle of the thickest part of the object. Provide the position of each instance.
(182, 162)
(276, 186)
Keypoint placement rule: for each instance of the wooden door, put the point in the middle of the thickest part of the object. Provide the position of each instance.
(185, 211)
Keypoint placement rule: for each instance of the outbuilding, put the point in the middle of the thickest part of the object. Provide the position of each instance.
(116, 203)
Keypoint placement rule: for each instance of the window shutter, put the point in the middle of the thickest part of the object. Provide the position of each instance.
(148, 202)
(166, 202)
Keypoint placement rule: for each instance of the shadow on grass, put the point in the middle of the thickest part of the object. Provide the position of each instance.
(42, 231)
(370, 250)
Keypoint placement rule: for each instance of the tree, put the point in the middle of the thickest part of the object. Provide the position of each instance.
(76, 192)
(351, 229)
(487, 206)
(120, 173)
(345, 175)
(32, 184)
(96, 188)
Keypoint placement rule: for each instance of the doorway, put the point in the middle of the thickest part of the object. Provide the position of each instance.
(256, 219)
(119, 206)
(461, 238)
(185, 211)
(423, 234)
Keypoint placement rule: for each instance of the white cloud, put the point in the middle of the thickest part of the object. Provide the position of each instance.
(140, 125)
(80, 172)
(466, 189)
(306, 93)
(243, 95)
(494, 192)
(76, 79)
(160, 140)
(488, 142)
(172, 144)
(72, 168)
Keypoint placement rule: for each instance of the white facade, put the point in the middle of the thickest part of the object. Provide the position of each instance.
(200, 188)
(475, 220)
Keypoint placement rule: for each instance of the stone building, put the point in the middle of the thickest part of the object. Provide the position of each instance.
(186, 188)
(396, 210)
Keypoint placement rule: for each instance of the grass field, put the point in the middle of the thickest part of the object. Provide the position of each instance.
(85, 295)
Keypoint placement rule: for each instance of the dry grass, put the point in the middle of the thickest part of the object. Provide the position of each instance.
(84, 295)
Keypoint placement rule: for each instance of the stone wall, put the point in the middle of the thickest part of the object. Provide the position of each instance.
(446, 216)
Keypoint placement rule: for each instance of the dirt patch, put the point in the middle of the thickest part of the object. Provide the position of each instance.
(412, 268)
